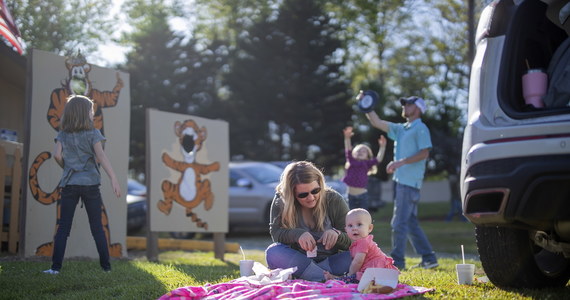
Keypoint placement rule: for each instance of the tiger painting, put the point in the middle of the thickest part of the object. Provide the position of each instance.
(78, 83)
(191, 189)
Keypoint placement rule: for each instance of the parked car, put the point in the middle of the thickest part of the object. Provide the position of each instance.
(515, 173)
(252, 188)
(136, 206)
(251, 191)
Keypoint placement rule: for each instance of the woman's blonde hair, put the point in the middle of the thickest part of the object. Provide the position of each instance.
(301, 172)
(75, 115)
(356, 148)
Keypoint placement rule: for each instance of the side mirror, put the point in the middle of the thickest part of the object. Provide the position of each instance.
(244, 182)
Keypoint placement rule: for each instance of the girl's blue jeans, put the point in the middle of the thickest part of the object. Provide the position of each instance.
(91, 198)
(358, 201)
(405, 226)
(282, 256)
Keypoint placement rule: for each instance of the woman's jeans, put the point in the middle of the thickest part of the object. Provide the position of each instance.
(405, 225)
(91, 198)
(282, 256)
(358, 201)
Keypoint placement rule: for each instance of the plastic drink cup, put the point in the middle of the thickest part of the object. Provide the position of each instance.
(534, 84)
(246, 267)
(465, 273)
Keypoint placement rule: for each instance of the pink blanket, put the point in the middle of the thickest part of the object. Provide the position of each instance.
(297, 289)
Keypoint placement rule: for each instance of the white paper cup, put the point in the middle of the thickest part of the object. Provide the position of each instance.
(465, 273)
(246, 267)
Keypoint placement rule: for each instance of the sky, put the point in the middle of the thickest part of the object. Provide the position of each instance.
(111, 53)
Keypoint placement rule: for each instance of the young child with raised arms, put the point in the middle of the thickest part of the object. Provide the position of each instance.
(364, 251)
(78, 150)
(360, 163)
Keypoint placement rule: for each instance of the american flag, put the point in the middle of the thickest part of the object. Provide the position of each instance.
(8, 28)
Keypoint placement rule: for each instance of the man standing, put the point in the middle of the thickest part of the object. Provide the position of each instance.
(412, 144)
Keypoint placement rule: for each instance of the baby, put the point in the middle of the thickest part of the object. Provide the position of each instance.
(364, 251)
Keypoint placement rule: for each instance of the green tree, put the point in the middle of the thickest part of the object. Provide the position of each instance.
(152, 67)
(288, 96)
(371, 32)
(63, 26)
(168, 71)
(436, 66)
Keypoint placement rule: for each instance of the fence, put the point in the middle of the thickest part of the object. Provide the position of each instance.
(10, 194)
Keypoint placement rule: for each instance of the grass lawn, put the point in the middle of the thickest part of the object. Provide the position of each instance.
(446, 237)
(136, 278)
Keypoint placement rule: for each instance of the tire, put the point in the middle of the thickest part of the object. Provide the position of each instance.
(512, 260)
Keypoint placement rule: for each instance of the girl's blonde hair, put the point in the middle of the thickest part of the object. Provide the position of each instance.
(370, 155)
(75, 115)
(300, 172)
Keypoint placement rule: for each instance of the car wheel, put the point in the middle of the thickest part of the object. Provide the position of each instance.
(512, 260)
(182, 235)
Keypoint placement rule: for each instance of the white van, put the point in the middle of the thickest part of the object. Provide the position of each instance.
(515, 173)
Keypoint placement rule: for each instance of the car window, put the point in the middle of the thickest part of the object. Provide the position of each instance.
(234, 176)
(135, 187)
(264, 173)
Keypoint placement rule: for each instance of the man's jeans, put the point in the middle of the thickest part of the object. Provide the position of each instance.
(358, 201)
(282, 256)
(91, 198)
(405, 225)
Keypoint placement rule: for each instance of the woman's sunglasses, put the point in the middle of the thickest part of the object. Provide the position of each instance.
(313, 192)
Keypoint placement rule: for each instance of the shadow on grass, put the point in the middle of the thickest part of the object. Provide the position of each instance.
(79, 279)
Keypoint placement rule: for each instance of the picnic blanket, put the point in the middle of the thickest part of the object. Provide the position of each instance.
(289, 289)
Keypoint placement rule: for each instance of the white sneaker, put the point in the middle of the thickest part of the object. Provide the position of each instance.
(50, 271)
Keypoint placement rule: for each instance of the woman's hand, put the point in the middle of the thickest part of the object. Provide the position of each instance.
(329, 238)
(307, 241)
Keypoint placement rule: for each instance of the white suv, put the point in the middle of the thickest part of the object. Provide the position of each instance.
(515, 172)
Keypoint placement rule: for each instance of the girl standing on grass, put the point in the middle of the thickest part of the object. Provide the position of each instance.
(78, 150)
(359, 165)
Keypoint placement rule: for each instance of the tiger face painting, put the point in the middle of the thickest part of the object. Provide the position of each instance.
(190, 190)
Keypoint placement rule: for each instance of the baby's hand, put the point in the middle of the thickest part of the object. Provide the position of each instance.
(382, 141)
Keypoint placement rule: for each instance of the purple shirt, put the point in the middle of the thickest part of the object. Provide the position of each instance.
(357, 173)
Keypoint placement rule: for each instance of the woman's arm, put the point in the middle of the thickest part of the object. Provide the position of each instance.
(277, 231)
(104, 161)
(336, 210)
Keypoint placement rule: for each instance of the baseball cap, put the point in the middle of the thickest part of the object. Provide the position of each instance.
(419, 102)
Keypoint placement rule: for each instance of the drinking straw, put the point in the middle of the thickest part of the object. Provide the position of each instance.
(462, 254)
(243, 253)
(527, 65)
